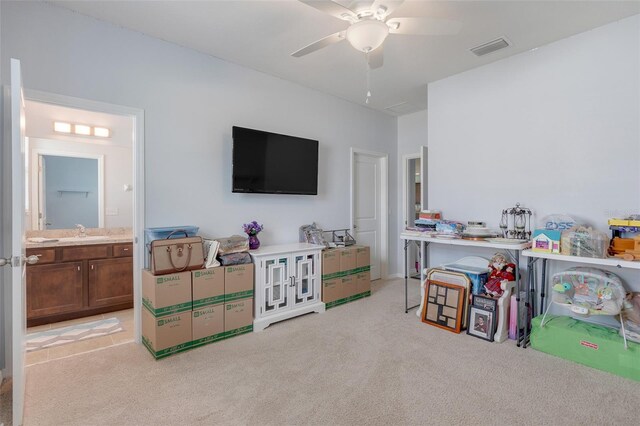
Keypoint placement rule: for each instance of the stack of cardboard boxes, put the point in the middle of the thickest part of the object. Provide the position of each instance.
(346, 275)
(190, 309)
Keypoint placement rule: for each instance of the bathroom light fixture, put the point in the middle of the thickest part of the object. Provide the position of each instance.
(367, 35)
(81, 129)
(61, 127)
(101, 132)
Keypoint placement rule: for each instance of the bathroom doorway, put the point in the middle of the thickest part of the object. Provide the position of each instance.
(414, 201)
(84, 193)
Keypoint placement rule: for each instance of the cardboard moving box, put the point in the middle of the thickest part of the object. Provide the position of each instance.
(207, 324)
(332, 290)
(208, 287)
(363, 282)
(363, 257)
(166, 335)
(166, 294)
(347, 259)
(349, 285)
(330, 263)
(238, 317)
(238, 282)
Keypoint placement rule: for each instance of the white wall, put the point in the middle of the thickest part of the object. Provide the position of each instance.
(556, 129)
(191, 101)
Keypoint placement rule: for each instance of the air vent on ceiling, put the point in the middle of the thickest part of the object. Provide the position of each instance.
(402, 108)
(492, 46)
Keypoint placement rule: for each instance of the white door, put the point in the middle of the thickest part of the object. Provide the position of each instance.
(369, 206)
(16, 287)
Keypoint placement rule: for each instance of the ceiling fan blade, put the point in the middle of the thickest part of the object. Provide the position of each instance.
(332, 8)
(375, 58)
(317, 45)
(423, 26)
(389, 5)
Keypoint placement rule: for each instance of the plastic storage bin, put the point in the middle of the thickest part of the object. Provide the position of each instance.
(477, 275)
(585, 242)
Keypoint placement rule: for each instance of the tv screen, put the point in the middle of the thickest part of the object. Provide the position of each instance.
(270, 163)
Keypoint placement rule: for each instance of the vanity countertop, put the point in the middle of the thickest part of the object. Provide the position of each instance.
(78, 241)
(65, 238)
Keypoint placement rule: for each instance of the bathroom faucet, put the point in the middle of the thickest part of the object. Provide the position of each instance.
(81, 230)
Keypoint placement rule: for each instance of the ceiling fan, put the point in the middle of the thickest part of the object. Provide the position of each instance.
(370, 24)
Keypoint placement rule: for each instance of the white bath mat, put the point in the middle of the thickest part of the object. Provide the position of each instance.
(72, 333)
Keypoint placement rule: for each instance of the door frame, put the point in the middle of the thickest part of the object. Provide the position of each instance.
(424, 187)
(423, 155)
(383, 160)
(138, 139)
(405, 186)
(36, 204)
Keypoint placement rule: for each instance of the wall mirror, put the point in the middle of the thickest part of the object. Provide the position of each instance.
(67, 189)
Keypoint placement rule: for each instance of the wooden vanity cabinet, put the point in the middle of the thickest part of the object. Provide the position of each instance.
(78, 281)
(110, 281)
(54, 289)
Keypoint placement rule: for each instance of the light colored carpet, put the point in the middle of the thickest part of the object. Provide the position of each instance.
(364, 363)
(73, 333)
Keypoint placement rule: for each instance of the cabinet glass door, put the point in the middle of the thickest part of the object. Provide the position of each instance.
(306, 278)
(276, 284)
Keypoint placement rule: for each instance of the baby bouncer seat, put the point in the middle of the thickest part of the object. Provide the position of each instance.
(588, 291)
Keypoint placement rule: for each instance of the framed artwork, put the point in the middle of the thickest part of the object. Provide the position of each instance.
(444, 305)
(483, 317)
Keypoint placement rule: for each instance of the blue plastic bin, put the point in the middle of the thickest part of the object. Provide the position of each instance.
(478, 276)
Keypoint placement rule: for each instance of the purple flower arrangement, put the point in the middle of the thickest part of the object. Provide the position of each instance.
(252, 228)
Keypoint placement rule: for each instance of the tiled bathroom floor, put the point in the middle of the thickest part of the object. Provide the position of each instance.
(43, 355)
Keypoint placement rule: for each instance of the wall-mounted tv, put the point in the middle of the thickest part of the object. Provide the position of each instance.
(270, 163)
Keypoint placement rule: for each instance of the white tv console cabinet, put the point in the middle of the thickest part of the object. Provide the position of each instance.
(287, 282)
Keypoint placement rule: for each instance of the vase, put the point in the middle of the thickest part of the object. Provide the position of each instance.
(254, 242)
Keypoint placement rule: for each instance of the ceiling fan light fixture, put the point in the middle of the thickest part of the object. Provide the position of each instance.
(367, 35)
(394, 25)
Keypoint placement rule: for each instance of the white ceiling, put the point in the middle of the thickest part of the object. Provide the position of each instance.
(262, 34)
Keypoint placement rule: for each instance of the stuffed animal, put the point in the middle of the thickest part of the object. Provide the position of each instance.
(501, 270)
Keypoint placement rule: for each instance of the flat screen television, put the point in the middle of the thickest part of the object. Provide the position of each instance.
(270, 163)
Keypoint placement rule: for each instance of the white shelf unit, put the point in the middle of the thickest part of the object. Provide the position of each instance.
(613, 261)
(287, 282)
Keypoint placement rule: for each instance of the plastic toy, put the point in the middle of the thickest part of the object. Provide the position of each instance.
(588, 291)
(546, 241)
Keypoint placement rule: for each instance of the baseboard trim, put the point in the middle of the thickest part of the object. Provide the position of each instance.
(394, 276)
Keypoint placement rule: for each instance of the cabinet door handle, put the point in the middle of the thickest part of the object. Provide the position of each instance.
(92, 267)
(78, 269)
